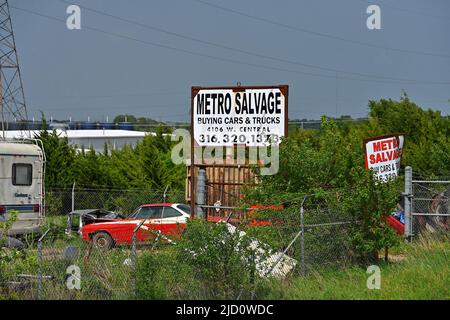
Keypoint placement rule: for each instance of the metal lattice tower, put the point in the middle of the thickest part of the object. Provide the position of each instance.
(12, 102)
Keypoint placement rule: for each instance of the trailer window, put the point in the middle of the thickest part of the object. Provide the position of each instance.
(22, 174)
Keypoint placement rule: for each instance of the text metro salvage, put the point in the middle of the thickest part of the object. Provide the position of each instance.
(383, 156)
(247, 116)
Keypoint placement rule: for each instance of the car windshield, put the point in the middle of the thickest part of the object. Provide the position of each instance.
(185, 208)
(153, 212)
(138, 213)
(133, 214)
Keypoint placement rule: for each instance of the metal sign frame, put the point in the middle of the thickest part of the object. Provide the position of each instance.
(194, 91)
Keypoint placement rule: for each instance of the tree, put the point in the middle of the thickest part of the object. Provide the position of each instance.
(59, 157)
(124, 118)
(147, 166)
(427, 133)
(330, 164)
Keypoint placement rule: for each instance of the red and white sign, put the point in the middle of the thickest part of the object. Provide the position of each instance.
(383, 155)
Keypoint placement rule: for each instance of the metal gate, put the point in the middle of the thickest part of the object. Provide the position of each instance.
(225, 184)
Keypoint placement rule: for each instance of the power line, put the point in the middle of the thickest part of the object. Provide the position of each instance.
(250, 53)
(304, 99)
(445, 18)
(317, 33)
(154, 44)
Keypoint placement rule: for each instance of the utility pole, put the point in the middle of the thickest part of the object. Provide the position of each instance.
(12, 97)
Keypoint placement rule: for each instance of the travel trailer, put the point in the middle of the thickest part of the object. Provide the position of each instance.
(22, 166)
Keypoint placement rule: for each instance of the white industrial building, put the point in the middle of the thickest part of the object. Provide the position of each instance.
(96, 139)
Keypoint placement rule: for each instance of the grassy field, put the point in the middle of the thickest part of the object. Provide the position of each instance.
(418, 271)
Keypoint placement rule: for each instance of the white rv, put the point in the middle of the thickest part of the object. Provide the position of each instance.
(22, 166)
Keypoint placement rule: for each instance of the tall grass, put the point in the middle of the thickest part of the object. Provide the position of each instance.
(423, 272)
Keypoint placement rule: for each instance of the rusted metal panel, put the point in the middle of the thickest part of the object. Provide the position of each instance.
(224, 183)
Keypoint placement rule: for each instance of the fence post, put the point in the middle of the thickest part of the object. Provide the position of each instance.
(39, 293)
(73, 197)
(302, 239)
(201, 197)
(253, 276)
(133, 260)
(408, 204)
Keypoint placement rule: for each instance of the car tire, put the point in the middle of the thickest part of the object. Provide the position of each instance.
(102, 241)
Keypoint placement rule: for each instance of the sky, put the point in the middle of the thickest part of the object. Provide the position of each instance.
(141, 57)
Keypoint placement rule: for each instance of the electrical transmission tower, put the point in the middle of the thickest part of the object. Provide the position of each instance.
(12, 102)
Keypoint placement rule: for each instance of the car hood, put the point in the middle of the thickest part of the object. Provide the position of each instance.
(95, 214)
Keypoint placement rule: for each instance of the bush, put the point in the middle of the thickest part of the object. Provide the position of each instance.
(160, 275)
(209, 262)
(330, 165)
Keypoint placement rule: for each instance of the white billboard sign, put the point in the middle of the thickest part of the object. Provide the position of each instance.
(240, 115)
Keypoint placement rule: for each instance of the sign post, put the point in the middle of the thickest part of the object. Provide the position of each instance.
(247, 116)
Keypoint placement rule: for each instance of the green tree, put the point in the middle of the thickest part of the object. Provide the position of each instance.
(330, 164)
(59, 157)
(125, 118)
(427, 133)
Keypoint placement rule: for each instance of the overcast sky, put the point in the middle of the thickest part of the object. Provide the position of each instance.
(321, 48)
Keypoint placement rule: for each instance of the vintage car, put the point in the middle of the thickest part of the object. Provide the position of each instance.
(106, 229)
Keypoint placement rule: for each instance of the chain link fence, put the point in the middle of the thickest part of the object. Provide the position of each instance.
(232, 260)
(58, 267)
(313, 234)
(204, 261)
(61, 201)
(430, 207)
(61, 267)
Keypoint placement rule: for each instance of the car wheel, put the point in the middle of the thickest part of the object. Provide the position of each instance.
(103, 241)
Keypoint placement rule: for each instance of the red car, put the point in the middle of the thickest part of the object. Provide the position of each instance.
(167, 218)
(106, 229)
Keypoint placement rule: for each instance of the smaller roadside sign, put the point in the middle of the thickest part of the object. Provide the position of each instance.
(383, 155)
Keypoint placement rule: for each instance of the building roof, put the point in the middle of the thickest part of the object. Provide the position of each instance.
(105, 134)
(80, 134)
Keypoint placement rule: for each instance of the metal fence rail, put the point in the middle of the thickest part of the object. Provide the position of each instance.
(61, 201)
